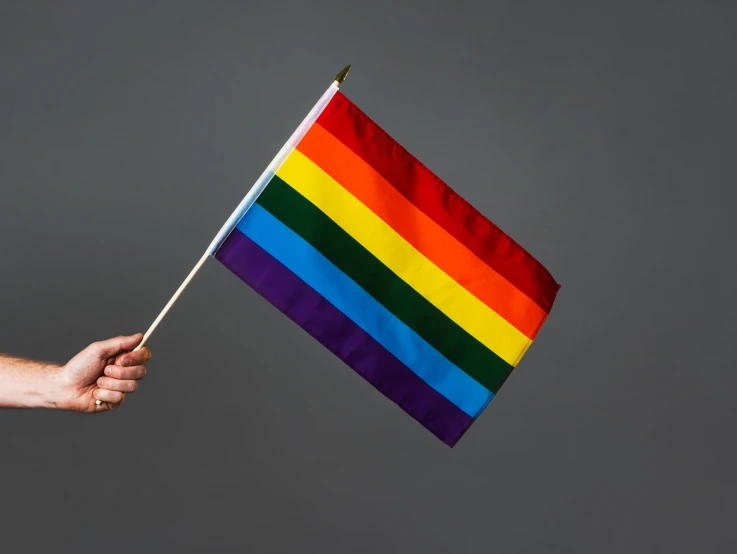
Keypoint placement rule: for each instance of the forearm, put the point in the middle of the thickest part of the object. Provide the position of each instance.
(27, 384)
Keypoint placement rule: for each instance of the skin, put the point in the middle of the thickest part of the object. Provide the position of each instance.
(107, 371)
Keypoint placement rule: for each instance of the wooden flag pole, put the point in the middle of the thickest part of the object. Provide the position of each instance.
(173, 299)
(250, 198)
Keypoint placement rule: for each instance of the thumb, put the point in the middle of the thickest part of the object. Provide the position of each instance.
(112, 347)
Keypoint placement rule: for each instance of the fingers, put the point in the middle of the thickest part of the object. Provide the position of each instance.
(120, 372)
(112, 347)
(122, 375)
(139, 357)
(120, 379)
(109, 396)
(119, 385)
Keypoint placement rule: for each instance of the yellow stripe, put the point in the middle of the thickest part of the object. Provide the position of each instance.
(402, 258)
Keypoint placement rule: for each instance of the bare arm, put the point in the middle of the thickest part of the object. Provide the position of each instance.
(105, 370)
(28, 384)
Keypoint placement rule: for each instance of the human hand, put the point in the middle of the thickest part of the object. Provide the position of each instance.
(105, 371)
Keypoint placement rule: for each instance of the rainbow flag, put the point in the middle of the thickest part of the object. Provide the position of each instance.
(378, 259)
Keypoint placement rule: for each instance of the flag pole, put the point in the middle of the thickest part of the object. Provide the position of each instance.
(250, 197)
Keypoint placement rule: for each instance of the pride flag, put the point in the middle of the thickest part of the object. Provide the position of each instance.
(372, 254)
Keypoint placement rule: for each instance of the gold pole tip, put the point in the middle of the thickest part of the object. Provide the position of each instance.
(340, 77)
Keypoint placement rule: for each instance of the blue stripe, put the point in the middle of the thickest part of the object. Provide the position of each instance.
(336, 287)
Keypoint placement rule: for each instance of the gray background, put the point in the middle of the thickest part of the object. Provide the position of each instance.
(600, 135)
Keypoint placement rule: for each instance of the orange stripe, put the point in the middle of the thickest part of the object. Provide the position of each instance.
(429, 238)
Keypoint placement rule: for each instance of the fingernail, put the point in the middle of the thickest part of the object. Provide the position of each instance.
(108, 371)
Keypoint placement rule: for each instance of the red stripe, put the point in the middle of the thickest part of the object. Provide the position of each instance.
(437, 200)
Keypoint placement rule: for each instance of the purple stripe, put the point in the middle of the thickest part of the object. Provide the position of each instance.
(342, 337)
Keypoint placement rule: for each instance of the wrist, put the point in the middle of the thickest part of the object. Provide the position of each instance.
(57, 393)
(48, 389)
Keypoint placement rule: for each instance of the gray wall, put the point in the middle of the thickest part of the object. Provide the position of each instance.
(600, 135)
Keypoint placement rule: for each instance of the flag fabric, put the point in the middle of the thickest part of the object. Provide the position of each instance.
(384, 264)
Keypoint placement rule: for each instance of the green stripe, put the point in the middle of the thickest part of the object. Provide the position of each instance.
(441, 332)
